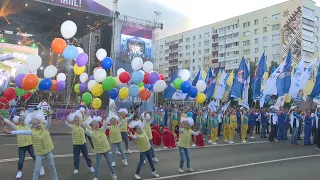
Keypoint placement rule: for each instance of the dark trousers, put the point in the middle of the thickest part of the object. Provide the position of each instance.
(257, 127)
(239, 127)
(299, 131)
(263, 130)
(281, 132)
(143, 156)
(318, 139)
(314, 135)
(268, 128)
(219, 129)
(90, 141)
(76, 155)
(22, 154)
(273, 133)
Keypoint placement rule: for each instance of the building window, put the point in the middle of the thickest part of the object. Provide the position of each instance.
(276, 16)
(275, 37)
(235, 35)
(193, 53)
(275, 27)
(307, 22)
(307, 43)
(206, 51)
(265, 48)
(256, 59)
(199, 52)
(199, 44)
(214, 31)
(256, 50)
(221, 55)
(236, 44)
(246, 52)
(276, 57)
(265, 20)
(192, 60)
(265, 39)
(316, 18)
(161, 46)
(187, 54)
(316, 39)
(316, 29)
(200, 36)
(256, 40)
(206, 58)
(246, 24)
(246, 43)
(307, 33)
(206, 43)
(265, 29)
(235, 52)
(206, 36)
(276, 47)
(246, 34)
(187, 47)
(256, 22)
(307, 11)
(194, 38)
(188, 40)
(256, 31)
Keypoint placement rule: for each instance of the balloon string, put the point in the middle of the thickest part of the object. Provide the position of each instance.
(68, 101)
(14, 107)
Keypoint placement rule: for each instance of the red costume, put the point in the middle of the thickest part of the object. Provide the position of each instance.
(200, 142)
(168, 138)
(156, 138)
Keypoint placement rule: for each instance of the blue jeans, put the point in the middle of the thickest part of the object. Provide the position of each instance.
(114, 149)
(38, 164)
(76, 155)
(90, 141)
(294, 136)
(153, 155)
(184, 154)
(263, 130)
(143, 156)
(22, 154)
(98, 159)
(125, 139)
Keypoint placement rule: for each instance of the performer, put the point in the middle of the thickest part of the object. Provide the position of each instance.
(273, 122)
(201, 122)
(41, 140)
(317, 133)
(226, 126)
(174, 118)
(210, 118)
(161, 118)
(295, 119)
(214, 127)
(253, 116)
(244, 125)
(147, 119)
(281, 124)
(233, 126)
(100, 143)
(264, 123)
(78, 141)
(124, 126)
(307, 128)
(24, 141)
(84, 114)
(168, 138)
(115, 138)
(141, 139)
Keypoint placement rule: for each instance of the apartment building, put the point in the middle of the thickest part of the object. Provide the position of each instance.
(274, 30)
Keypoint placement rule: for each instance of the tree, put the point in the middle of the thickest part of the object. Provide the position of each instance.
(273, 65)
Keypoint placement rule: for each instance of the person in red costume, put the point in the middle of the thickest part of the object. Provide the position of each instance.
(168, 138)
(156, 136)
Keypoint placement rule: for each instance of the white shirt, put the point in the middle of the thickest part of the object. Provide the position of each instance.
(273, 118)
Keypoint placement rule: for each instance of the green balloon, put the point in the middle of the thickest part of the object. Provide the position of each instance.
(76, 88)
(108, 83)
(177, 83)
(87, 98)
(141, 84)
(20, 92)
(37, 88)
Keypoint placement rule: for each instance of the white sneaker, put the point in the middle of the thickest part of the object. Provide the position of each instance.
(204, 139)
(252, 137)
(113, 164)
(137, 176)
(42, 172)
(155, 174)
(164, 147)
(193, 145)
(231, 142)
(190, 170)
(76, 171)
(128, 151)
(91, 169)
(317, 148)
(144, 161)
(118, 153)
(125, 162)
(181, 170)
(210, 141)
(19, 175)
(114, 177)
(95, 178)
(225, 140)
(214, 143)
(244, 141)
(155, 159)
(217, 138)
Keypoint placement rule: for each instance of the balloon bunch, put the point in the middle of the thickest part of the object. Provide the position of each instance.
(185, 86)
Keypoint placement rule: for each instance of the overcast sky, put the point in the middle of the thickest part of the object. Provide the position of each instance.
(182, 15)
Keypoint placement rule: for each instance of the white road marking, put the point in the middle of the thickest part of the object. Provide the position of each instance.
(234, 167)
(136, 151)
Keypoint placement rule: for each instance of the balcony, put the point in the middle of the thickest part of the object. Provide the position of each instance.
(175, 46)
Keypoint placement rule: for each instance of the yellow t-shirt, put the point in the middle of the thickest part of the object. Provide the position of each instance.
(143, 142)
(185, 138)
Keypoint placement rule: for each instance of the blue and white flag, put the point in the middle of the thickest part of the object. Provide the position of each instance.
(221, 85)
(169, 92)
(240, 80)
(258, 76)
(211, 83)
(315, 93)
(295, 79)
(283, 82)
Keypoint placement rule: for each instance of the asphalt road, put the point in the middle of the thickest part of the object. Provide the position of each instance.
(254, 160)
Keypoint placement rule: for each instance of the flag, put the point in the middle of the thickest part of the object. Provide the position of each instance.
(246, 88)
(240, 80)
(283, 81)
(296, 79)
(170, 90)
(258, 77)
(308, 73)
(221, 85)
(315, 93)
(217, 82)
(310, 84)
(280, 102)
(228, 86)
(225, 107)
(211, 83)
(212, 105)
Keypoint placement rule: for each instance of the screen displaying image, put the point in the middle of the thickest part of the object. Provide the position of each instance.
(135, 43)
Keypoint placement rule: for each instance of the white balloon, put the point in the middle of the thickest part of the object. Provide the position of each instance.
(159, 86)
(83, 77)
(33, 62)
(136, 63)
(101, 54)
(21, 70)
(185, 75)
(61, 77)
(201, 85)
(99, 75)
(91, 83)
(120, 71)
(148, 66)
(80, 50)
(68, 29)
(50, 71)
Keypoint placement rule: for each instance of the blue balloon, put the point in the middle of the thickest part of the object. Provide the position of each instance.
(193, 92)
(148, 86)
(107, 63)
(185, 86)
(70, 52)
(113, 93)
(134, 90)
(189, 114)
(137, 77)
(45, 84)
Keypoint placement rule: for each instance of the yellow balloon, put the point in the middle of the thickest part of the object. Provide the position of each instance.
(141, 88)
(78, 70)
(96, 103)
(97, 90)
(116, 79)
(123, 92)
(201, 98)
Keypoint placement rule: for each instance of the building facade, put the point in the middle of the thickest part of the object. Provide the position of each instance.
(274, 30)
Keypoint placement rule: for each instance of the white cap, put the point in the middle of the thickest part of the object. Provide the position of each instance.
(112, 117)
(123, 110)
(134, 124)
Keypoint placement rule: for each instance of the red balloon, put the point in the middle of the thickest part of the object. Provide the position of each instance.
(27, 96)
(124, 77)
(4, 103)
(145, 78)
(144, 94)
(161, 77)
(10, 93)
(54, 85)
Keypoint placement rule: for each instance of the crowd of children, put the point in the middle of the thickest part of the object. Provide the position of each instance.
(172, 127)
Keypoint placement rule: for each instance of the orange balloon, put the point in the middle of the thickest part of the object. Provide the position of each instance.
(144, 94)
(30, 81)
(58, 45)
(54, 85)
